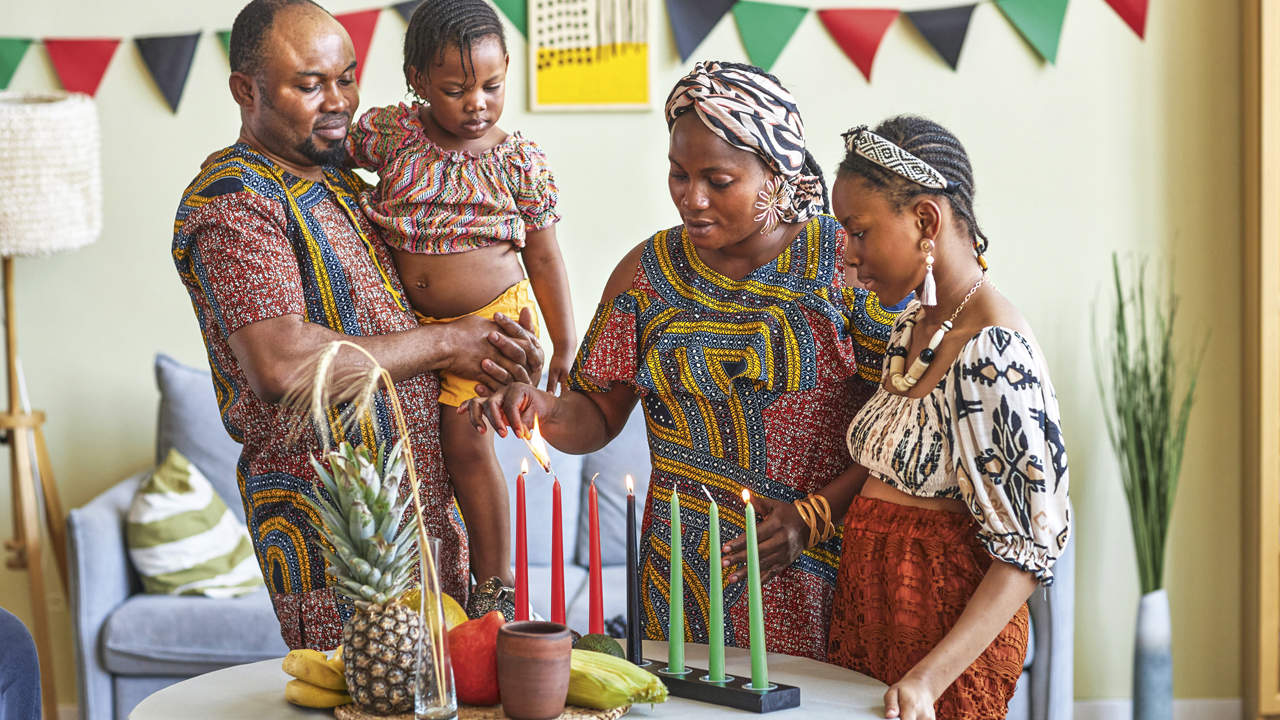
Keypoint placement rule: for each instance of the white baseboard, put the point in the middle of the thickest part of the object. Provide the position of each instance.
(1189, 709)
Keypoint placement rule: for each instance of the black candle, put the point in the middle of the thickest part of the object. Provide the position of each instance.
(634, 644)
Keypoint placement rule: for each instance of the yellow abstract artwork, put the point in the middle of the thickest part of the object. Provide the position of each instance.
(588, 55)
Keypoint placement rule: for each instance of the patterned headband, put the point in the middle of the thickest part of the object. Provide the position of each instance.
(752, 112)
(889, 156)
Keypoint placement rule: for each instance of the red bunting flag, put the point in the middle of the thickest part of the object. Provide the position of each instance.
(1134, 13)
(81, 62)
(360, 26)
(858, 32)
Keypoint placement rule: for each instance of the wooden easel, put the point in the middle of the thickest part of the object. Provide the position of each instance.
(18, 428)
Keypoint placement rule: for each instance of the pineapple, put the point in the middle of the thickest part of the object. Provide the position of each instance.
(372, 563)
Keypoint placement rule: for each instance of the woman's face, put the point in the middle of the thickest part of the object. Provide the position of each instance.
(884, 244)
(714, 185)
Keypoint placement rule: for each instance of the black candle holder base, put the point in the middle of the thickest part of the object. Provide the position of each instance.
(733, 691)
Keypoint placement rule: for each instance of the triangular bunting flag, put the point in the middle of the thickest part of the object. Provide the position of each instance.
(360, 26)
(81, 62)
(1038, 21)
(765, 29)
(11, 52)
(858, 32)
(406, 8)
(944, 29)
(692, 20)
(1133, 12)
(168, 58)
(515, 11)
(224, 37)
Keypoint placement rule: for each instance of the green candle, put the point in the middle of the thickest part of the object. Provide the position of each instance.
(755, 603)
(675, 631)
(715, 629)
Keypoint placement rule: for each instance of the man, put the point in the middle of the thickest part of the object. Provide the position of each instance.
(279, 261)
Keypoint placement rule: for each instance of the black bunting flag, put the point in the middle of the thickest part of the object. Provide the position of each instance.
(944, 29)
(692, 20)
(168, 59)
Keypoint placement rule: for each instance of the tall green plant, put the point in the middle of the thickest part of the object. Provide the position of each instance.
(1146, 429)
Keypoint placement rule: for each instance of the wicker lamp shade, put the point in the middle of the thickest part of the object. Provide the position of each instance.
(50, 170)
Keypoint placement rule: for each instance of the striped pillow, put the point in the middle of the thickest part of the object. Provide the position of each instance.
(183, 540)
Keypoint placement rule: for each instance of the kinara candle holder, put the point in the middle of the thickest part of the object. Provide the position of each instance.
(734, 691)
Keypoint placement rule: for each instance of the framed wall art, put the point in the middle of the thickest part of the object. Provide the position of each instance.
(588, 55)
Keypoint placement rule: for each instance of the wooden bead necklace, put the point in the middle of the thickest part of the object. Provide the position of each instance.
(898, 354)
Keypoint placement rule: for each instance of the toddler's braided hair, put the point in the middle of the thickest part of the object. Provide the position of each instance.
(936, 146)
(437, 25)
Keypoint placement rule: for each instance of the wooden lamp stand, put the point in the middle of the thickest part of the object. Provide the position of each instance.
(19, 429)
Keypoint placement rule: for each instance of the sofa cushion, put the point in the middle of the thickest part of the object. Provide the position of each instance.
(188, 421)
(185, 635)
(626, 454)
(537, 497)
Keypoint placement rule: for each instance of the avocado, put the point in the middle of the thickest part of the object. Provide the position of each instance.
(597, 642)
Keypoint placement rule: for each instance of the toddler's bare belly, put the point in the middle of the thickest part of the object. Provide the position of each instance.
(444, 286)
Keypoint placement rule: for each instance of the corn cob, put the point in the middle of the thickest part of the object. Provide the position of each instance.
(601, 681)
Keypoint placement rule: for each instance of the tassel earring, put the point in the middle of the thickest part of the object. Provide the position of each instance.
(929, 291)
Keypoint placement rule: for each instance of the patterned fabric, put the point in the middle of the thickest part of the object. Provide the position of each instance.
(989, 434)
(752, 112)
(437, 201)
(182, 538)
(893, 158)
(252, 242)
(744, 384)
(906, 575)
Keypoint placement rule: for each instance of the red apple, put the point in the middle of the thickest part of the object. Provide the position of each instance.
(473, 649)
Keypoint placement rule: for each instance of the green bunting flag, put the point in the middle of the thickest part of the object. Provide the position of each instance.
(765, 29)
(515, 10)
(224, 37)
(11, 51)
(1038, 21)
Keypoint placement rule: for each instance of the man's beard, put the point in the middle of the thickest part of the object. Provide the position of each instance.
(335, 155)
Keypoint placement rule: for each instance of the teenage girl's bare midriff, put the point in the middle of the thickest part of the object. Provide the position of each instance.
(878, 489)
(445, 286)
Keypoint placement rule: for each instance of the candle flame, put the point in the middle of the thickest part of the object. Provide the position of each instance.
(746, 495)
(631, 485)
(524, 466)
(538, 447)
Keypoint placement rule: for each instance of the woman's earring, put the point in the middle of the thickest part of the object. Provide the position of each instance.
(773, 198)
(929, 292)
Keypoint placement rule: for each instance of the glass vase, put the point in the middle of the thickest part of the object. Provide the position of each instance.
(433, 695)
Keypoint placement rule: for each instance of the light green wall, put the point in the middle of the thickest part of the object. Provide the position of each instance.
(1122, 146)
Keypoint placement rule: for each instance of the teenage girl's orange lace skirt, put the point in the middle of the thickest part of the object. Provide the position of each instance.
(905, 576)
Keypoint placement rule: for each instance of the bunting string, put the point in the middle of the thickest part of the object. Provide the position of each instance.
(764, 27)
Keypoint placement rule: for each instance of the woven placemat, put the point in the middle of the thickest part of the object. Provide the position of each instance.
(491, 712)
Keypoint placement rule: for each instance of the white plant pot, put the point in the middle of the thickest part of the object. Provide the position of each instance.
(1153, 659)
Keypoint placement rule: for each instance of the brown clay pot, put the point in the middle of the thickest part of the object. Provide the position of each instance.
(533, 669)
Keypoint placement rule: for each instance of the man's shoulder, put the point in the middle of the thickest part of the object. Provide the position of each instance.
(232, 170)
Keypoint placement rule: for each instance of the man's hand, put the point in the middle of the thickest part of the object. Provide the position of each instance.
(781, 537)
(495, 352)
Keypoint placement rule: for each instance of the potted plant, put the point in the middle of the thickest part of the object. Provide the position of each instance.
(1146, 418)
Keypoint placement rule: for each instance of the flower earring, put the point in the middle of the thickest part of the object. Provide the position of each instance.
(773, 199)
(929, 292)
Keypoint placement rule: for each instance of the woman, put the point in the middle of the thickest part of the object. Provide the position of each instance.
(738, 333)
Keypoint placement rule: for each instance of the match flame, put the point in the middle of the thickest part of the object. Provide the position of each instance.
(631, 485)
(746, 495)
(524, 466)
(538, 447)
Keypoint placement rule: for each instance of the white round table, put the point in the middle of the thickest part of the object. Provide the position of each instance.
(256, 691)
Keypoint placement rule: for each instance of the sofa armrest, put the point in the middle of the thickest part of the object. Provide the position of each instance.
(100, 580)
(1053, 625)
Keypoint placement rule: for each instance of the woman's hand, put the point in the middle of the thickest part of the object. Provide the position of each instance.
(781, 537)
(911, 698)
(513, 406)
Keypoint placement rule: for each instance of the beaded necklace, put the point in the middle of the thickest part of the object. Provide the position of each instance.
(898, 353)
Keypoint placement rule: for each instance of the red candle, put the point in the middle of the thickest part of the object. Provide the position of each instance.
(522, 551)
(557, 556)
(595, 622)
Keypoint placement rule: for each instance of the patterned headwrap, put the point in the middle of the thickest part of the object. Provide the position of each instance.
(752, 111)
(893, 158)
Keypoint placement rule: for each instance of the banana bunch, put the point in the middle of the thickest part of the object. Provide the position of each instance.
(601, 681)
(320, 682)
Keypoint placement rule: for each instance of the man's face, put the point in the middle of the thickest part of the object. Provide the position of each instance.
(305, 93)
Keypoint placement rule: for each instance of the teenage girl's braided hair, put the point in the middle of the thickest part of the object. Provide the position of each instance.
(436, 25)
(936, 146)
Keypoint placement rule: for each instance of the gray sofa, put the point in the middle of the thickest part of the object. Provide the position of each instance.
(130, 644)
